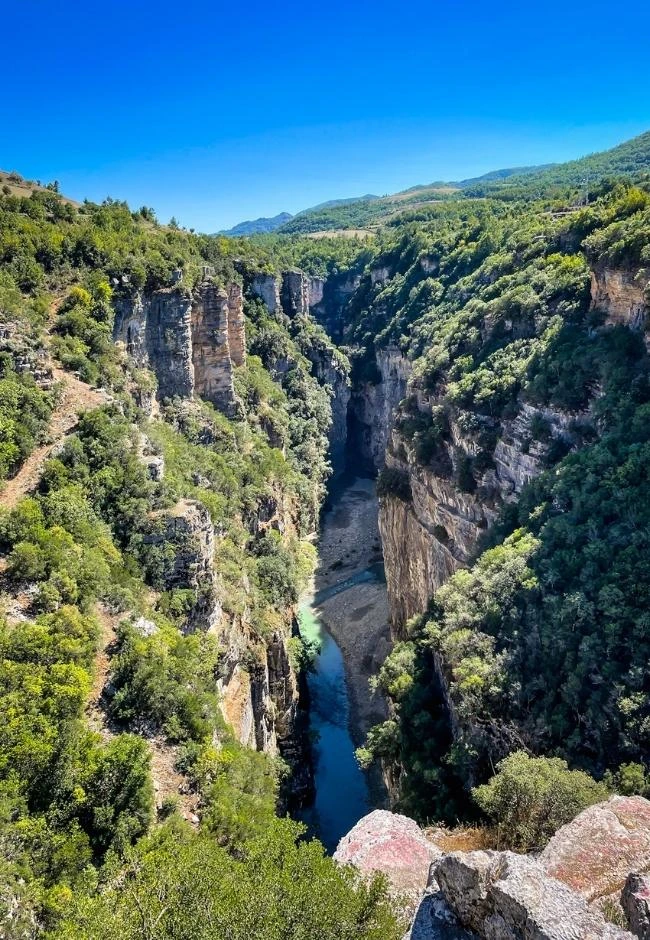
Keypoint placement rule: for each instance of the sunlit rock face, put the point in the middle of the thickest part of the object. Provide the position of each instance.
(595, 853)
(622, 295)
(267, 288)
(211, 353)
(393, 845)
(505, 895)
(191, 341)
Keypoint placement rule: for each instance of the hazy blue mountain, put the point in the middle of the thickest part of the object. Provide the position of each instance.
(258, 226)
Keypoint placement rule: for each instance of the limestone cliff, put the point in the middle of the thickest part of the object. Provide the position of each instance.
(431, 528)
(267, 288)
(434, 531)
(211, 354)
(373, 406)
(622, 295)
(191, 341)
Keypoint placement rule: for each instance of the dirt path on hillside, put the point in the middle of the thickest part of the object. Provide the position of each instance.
(76, 396)
(168, 783)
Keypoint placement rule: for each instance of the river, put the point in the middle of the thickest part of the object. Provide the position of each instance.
(346, 615)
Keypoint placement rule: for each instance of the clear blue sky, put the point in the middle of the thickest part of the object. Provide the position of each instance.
(221, 111)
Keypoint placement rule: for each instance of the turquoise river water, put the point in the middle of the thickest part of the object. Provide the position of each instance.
(342, 796)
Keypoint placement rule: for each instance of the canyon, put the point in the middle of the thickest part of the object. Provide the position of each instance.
(193, 342)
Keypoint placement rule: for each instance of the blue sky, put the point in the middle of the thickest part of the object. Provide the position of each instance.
(218, 112)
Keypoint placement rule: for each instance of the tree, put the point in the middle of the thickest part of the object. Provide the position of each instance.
(529, 798)
(178, 886)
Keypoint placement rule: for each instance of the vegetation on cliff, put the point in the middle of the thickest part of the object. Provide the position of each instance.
(542, 642)
(108, 661)
(141, 527)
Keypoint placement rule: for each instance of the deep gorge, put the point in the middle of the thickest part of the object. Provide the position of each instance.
(416, 461)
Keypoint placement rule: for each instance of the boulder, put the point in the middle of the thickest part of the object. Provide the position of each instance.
(635, 901)
(503, 896)
(393, 845)
(595, 852)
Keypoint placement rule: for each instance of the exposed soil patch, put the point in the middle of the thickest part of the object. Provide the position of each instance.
(76, 396)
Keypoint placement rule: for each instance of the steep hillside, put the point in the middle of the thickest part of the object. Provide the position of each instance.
(553, 181)
(172, 409)
(167, 415)
(501, 380)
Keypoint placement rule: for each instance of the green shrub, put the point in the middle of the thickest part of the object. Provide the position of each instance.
(392, 481)
(529, 798)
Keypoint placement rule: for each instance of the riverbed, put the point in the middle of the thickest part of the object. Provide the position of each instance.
(347, 615)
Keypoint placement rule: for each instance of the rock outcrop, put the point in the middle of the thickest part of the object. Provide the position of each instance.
(260, 698)
(211, 354)
(184, 537)
(373, 406)
(236, 325)
(597, 850)
(502, 895)
(393, 845)
(329, 309)
(156, 331)
(622, 295)
(267, 288)
(433, 532)
(190, 341)
(635, 901)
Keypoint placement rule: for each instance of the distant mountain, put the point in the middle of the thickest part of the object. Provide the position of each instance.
(630, 159)
(333, 203)
(259, 226)
(553, 180)
(503, 174)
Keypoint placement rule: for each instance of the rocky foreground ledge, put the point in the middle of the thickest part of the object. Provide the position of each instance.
(592, 870)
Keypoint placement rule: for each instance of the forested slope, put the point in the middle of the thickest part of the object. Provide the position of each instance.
(518, 453)
(153, 549)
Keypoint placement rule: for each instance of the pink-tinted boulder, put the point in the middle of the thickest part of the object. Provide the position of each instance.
(394, 845)
(595, 853)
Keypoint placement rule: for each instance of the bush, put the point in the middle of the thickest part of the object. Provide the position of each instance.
(394, 482)
(529, 798)
(276, 888)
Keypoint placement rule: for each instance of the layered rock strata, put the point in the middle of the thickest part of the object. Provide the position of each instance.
(190, 341)
(622, 295)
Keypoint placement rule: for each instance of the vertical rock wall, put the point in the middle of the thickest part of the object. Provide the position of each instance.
(236, 325)
(623, 296)
(373, 407)
(211, 358)
(191, 341)
(267, 288)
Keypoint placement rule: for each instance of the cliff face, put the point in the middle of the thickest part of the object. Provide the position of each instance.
(190, 341)
(193, 343)
(300, 293)
(267, 288)
(622, 295)
(432, 528)
(211, 354)
(373, 406)
(156, 331)
(429, 535)
(333, 373)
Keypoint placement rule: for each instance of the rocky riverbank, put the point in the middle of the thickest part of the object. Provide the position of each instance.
(356, 616)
